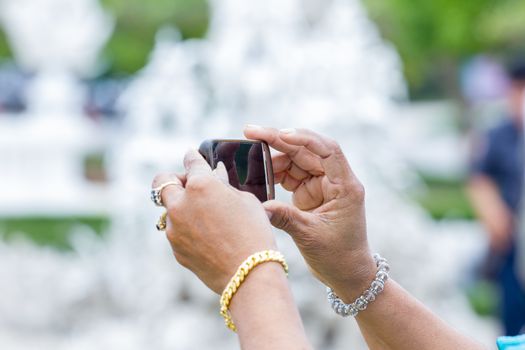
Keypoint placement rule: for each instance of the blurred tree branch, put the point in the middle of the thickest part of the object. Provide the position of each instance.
(137, 22)
(435, 36)
(5, 51)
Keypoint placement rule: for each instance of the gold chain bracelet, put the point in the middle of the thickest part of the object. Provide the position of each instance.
(242, 272)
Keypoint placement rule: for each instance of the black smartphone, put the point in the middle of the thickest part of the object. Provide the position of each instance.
(249, 164)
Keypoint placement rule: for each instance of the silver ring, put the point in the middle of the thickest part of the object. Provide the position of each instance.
(156, 193)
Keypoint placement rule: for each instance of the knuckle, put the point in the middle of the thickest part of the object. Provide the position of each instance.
(172, 207)
(358, 191)
(273, 137)
(333, 146)
(353, 190)
(192, 161)
(158, 179)
(198, 183)
(189, 157)
(249, 196)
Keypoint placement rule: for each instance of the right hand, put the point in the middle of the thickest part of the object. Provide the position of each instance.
(212, 227)
(327, 220)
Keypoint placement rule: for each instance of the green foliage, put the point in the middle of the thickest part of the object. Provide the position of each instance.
(445, 199)
(434, 36)
(49, 231)
(504, 26)
(5, 51)
(483, 297)
(138, 21)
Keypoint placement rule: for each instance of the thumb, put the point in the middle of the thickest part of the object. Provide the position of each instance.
(286, 217)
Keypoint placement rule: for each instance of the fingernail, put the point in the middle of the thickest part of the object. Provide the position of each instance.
(270, 214)
(252, 126)
(287, 131)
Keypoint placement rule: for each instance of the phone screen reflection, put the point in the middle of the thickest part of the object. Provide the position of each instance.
(244, 162)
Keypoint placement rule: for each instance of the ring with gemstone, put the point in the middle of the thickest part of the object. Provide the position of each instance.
(156, 193)
(161, 225)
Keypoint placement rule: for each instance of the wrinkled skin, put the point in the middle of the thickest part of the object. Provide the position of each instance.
(211, 226)
(327, 218)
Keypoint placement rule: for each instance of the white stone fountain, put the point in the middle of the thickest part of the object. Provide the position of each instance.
(42, 151)
(271, 62)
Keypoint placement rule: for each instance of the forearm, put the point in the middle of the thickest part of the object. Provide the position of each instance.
(488, 204)
(264, 311)
(396, 320)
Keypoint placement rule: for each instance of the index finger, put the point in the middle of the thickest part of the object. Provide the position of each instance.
(301, 156)
(195, 164)
(271, 136)
(334, 162)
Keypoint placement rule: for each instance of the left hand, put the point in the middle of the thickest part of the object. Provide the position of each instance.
(327, 219)
(212, 227)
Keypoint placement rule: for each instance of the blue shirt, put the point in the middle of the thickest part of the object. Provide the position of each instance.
(501, 159)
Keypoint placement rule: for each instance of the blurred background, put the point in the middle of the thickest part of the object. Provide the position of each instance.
(96, 97)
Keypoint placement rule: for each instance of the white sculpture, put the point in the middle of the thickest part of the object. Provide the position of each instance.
(262, 62)
(42, 151)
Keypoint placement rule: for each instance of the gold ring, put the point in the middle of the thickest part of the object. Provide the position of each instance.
(161, 224)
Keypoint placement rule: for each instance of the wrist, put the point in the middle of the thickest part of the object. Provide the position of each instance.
(363, 270)
(263, 306)
(265, 285)
(245, 268)
(367, 296)
(264, 279)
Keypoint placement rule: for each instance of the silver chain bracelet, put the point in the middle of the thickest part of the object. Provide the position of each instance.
(369, 295)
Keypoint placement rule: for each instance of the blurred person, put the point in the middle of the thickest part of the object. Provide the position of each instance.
(213, 227)
(495, 189)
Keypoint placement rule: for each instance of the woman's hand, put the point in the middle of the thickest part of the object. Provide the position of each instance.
(327, 221)
(211, 226)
